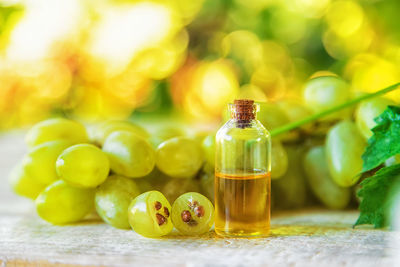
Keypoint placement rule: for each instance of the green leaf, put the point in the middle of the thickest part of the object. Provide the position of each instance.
(385, 141)
(376, 196)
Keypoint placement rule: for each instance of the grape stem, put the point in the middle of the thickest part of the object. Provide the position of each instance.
(293, 125)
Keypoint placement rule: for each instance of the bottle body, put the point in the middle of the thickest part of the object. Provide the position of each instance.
(242, 179)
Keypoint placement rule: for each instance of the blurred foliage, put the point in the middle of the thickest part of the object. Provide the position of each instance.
(93, 60)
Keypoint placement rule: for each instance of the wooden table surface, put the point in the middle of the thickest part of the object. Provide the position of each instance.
(306, 238)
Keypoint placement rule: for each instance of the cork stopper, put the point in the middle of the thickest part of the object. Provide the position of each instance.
(243, 110)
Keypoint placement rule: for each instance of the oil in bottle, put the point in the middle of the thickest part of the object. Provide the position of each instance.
(242, 174)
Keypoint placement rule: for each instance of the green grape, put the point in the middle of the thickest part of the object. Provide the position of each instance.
(208, 146)
(295, 111)
(325, 92)
(83, 165)
(40, 162)
(344, 147)
(56, 129)
(143, 184)
(367, 111)
(164, 133)
(102, 131)
(279, 160)
(176, 187)
(207, 180)
(272, 116)
(320, 181)
(192, 214)
(179, 157)
(129, 154)
(61, 203)
(112, 200)
(149, 215)
(23, 184)
(290, 190)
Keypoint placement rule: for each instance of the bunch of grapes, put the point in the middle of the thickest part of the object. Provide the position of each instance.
(320, 163)
(119, 170)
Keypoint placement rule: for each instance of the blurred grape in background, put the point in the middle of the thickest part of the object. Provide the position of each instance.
(172, 66)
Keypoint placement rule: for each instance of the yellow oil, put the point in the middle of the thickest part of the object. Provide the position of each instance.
(242, 204)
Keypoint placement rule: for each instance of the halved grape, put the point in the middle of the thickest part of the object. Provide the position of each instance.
(325, 92)
(149, 214)
(367, 111)
(102, 131)
(61, 203)
(112, 200)
(279, 160)
(40, 162)
(320, 181)
(179, 157)
(129, 154)
(56, 129)
(208, 146)
(344, 147)
(192, 214)
(83, 165)
(23, 184)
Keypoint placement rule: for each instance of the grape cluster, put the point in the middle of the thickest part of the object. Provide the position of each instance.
(115, 169)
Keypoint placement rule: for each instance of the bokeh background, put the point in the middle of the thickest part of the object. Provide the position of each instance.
(95, 60)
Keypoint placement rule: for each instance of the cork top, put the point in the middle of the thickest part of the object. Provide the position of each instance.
(244, 110)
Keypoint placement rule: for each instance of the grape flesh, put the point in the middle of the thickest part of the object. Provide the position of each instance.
(344, 147)
(40, 162)
(23, 184)
(208, 146)
(149, 215)
(279, 160)
(129, 154)
(179, 157)
(83, 165)
(56, 129)
(321, 182)
(325, 92)
(112, 200)
(102, 131)
(61, 203)
(367, 111)
(193, 214)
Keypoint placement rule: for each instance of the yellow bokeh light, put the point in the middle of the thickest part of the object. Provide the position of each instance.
(250, 91)
(124, 31)
(43, 23)
(243, 45)
(375, 76)
(308, 8)
(270, 81)
(344, 18)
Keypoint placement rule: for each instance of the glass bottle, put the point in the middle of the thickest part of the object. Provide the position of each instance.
(242, 174)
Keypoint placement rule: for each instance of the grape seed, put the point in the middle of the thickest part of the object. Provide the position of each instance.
(186, 216)
(199, 211)
(160, 219)
(166, 211)
(157, 205)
